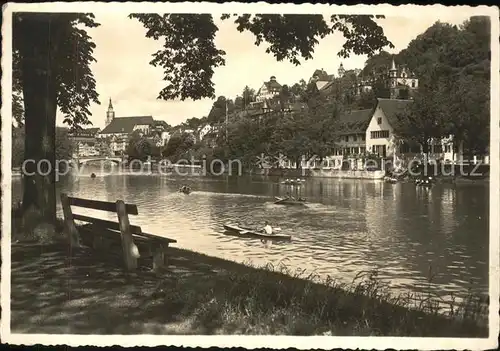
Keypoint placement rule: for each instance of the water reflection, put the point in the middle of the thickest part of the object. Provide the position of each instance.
(409, 234)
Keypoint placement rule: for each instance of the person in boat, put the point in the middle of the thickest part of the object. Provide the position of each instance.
(92, 175)
(267, 228)
(288, 196)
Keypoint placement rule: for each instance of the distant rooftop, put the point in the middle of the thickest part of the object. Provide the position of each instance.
(126, 124)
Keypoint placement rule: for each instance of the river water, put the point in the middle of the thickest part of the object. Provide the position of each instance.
(406, 233)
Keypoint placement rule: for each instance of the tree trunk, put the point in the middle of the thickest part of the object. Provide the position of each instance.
(40, 104)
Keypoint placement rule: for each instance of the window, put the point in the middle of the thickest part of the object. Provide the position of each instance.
(413, 83)
(380, 134)
(379, 120)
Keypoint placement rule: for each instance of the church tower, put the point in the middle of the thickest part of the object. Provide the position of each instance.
(341, 70)
(393, 80)
(110, 115)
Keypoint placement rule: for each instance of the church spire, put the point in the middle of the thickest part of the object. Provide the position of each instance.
(110, 115)
(393, 65)
(341, 70)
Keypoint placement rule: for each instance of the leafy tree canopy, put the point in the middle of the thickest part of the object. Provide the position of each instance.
(71, 49)
(189, 55)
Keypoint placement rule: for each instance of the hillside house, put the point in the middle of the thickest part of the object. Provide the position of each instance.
(268, 90)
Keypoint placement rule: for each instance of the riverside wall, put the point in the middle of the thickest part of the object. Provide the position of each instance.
(322, 173)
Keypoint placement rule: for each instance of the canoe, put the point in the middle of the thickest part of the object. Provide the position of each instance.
(293, 182)
(288, 201)
(424, 182)
(247, 232)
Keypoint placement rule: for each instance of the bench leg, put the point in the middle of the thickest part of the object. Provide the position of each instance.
(165, 255)
(69, 223)
(158, 257)
(97, 242)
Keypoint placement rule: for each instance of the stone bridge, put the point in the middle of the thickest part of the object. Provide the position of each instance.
(83, 160)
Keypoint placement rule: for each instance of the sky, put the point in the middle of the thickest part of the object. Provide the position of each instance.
(123, 73)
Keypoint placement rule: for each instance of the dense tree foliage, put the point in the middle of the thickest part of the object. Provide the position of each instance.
(454, 93)
(189, 55)
(178, 147)
(139, 147)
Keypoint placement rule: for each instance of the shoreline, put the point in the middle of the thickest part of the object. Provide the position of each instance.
(208, 290)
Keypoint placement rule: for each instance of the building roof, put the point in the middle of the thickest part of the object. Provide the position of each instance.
(322, 75)
(126, 124)
(356, 121)
(92, 130)
(327, 86)
(272, 85)
(85, 133)
(392, 107)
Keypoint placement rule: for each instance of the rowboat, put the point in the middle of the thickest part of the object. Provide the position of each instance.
(425, 182)
(293, 181)
(392, 180)
(288, 201)
(247, 232)
(185, 190)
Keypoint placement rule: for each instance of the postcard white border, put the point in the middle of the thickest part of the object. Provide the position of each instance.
(316, 342)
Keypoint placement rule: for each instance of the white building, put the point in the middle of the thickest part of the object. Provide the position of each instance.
(382, 139)
(268, 90)
(204, 130)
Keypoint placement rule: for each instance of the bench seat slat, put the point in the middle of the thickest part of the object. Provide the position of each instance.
(157, 237)
(145, 237)
(105, 223)
(101, 205)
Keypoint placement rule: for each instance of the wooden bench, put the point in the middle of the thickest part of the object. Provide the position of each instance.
(98, 231)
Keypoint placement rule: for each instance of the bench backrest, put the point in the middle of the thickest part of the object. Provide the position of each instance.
(68, 201)
(101, 205)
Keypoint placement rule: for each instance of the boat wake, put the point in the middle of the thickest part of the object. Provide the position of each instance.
(212, 193)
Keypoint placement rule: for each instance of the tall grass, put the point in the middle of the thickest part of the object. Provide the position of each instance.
(277, 300)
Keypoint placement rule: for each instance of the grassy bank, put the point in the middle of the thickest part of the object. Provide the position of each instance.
(277, 300)
(198, 294)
